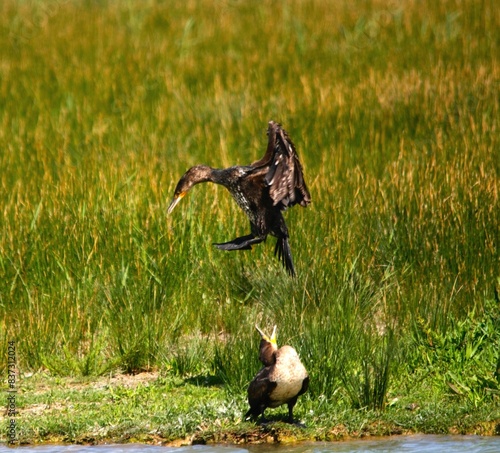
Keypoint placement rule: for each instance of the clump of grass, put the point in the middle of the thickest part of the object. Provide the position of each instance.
(464, 358)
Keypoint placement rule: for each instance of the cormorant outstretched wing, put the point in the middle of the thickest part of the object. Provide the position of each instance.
(284, 175)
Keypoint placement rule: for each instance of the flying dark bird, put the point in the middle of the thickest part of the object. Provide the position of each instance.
(281, 381)
(262, 189)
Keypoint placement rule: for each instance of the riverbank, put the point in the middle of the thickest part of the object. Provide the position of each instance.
(157, 409)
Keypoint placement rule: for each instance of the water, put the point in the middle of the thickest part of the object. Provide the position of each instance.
(399, 444)
(402, 444)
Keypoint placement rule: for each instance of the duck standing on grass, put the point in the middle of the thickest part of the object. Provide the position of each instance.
(262, 189)
(281, 381)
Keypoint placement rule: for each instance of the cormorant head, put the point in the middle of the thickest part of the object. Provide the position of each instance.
(195, 175)
(268, 347)
(177, 197)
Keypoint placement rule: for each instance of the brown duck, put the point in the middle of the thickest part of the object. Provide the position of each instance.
(262, 189)
(281, 381)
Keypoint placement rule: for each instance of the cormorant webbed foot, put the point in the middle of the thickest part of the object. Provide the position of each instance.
(242, 243)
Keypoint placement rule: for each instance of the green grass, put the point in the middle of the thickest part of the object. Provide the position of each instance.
(394, 110)
(163, 408)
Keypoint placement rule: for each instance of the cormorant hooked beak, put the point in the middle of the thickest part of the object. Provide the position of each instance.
(272, 339)
(177, 197)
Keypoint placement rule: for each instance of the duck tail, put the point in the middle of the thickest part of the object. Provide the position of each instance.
(282, 250)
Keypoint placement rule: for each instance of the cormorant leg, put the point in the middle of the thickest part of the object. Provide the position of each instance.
(242, 243)
(263, 419)
(290, 412)
(291, 404)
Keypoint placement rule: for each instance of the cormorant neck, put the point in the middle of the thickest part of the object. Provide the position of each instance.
(267, 352)
(200, 173)
(204, 173)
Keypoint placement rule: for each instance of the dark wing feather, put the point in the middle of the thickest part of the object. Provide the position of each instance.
(284, 176)
(259, 390)
(266, 159)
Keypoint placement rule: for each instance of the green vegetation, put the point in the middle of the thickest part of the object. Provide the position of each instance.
(153, 408)
(394, 110)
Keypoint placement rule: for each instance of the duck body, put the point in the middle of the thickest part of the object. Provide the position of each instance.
(281, 381)
(262, 190)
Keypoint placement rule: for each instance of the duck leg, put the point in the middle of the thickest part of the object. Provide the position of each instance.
(242, 243)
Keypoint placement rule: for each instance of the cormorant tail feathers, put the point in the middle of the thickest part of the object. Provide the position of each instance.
(282, 250)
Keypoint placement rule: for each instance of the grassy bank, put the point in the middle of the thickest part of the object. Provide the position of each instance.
(394, 110)
(159, 408)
